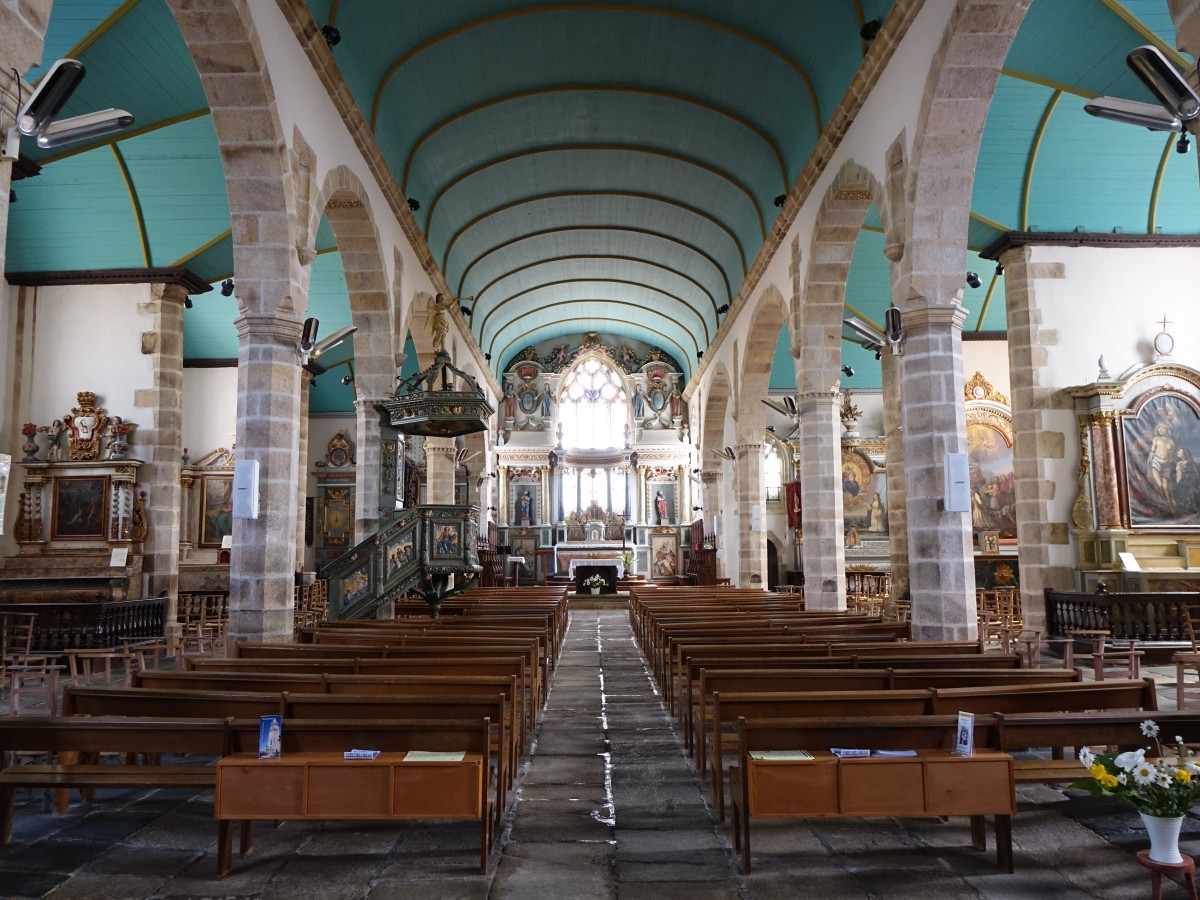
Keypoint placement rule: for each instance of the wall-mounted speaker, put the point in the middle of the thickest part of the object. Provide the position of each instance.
(956, 494)
(245, 489)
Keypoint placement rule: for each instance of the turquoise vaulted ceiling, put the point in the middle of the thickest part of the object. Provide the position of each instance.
(591, 165)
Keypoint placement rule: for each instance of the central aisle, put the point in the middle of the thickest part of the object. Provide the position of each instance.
(609, 806)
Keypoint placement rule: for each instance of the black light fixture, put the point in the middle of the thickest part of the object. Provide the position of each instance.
(227, 287)
(187, 302)
(1181, 145)
(780, 200)
(487, 357)
(771, 428)
(699, 354)
(870, 30)
(12, 196)
(414, 204)
(347, 379)
(999, 269)
(465, 310)
(848, 371)
(722, 309)
(332, 36)
(973, 280)
(697, 508)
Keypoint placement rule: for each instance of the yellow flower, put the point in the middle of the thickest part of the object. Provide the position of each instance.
(1097, 771)
(1107, 780)
(1183, 776)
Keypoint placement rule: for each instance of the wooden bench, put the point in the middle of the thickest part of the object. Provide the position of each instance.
(935, 782)
(69, 738)
(312, 780)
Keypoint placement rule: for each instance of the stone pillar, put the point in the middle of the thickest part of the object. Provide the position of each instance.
(752, 542)
(262, 569)
(439, 470)
(821, 500)
(367, 454)
(1043, 538)
(159, 442)
(940, 558)
(893, 443)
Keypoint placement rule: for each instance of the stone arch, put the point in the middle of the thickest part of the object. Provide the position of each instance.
(271, 296)
(716, 412)
(232, 68)
(768, 316)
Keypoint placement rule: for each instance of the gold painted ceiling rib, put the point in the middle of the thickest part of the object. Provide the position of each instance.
(123, 136)
(862, 20)
(527, 336)
(987, 300)
(1031, 162)
(594, 88)
(862, 315)
(557, 195)
(1060, 86)
(605, 256)
(596, 148)
(1159, 175)
(545, 231)
(1149, 36)
(548, 284)
(100, 30)
(207, 245)
(594, 7)
(990, 223)
(333, 11)
(135, 203)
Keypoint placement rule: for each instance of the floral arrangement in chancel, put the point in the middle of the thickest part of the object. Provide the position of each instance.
(1159, 786)
(594, 582)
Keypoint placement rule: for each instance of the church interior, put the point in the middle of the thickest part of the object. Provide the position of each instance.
(809, 335)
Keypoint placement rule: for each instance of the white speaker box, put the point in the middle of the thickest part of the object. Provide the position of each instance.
(957, 485)
(245, 489)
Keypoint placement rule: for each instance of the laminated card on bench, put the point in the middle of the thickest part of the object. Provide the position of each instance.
(783, 755)
(434, 756)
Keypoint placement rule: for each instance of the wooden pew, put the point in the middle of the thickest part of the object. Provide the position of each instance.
(71, 737)
(312, 780)
(934, 783)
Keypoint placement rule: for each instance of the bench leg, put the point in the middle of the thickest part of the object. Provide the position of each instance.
(6, 812)
(62, 796)
(224, 846)
(246, 845)
(1004, 851)
(978, 832)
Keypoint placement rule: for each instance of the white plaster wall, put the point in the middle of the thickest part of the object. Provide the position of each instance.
(87, 338)
(209, 410)
(321, 430)
(989, 358)
(1109, 303)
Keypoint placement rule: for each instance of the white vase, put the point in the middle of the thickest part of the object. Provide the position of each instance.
(594, 590)
(1164, 837)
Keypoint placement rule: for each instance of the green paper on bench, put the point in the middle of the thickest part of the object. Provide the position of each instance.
(433, 756)
(780, 754)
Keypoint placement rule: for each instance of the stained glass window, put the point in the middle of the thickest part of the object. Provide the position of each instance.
(593, 406)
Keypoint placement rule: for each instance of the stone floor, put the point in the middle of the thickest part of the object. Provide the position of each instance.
(607, 806)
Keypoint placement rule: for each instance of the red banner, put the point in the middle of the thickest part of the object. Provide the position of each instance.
(795, 517)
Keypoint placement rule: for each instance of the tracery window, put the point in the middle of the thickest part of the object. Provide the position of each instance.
(593, 407)
(772, 472)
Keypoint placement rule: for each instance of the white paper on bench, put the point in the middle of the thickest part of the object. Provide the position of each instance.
(842, 752)
(896, 753)
(433, 756)
(786, 755)
(360, 754)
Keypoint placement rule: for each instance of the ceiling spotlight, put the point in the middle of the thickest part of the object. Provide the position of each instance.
(1164, 82)
(999, 269)
(973, 280)
(723, 308)
(347, 379)
(699, 354)
(697, 508)
(332, 36)
(848, 371)
(187, 302)
(413, 204)
(465, 310)
(780, 200)
(227, 287)
(487, 357)
(51, 94)
(1181, 145)
(870, 30)
(12, 196)
(771, 428)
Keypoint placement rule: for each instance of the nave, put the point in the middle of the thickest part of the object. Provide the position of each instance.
(607, 806)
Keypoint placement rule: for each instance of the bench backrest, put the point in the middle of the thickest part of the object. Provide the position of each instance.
(1047, 697)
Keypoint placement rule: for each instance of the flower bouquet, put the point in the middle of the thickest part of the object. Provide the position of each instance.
(1159, 788)
(594, 582)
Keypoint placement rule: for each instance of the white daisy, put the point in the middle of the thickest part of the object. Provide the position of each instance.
(1149, 728)
(1122, 778)
(1144, 773)
(1087, 757)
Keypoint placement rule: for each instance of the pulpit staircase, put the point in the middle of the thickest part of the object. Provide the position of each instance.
(428, 550)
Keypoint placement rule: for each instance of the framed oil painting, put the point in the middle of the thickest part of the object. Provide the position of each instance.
(1162, 442)
(525, 545)
(401, 550)
(993, 482)
(80, 509)
(664, 557)
(216, 509)
(447, 541)
(864, 496)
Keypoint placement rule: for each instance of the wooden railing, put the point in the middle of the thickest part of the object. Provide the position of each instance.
(1150, 616)
(70, 626)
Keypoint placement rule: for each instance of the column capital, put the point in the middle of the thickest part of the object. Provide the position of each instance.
(172, 291)
(276, 327)
(949, 316)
